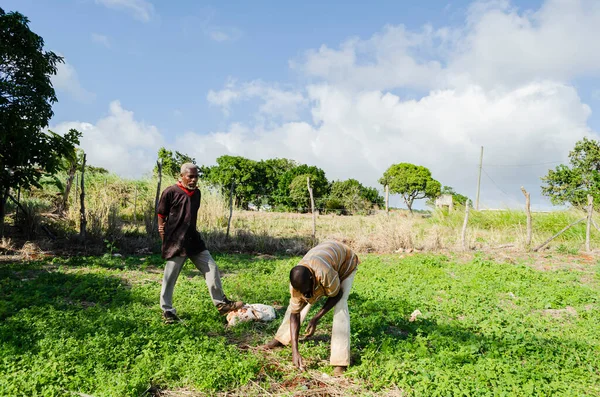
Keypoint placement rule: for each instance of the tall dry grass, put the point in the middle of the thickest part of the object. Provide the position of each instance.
(113, 212)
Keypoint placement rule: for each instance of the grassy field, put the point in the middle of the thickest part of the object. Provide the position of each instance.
(524, 325)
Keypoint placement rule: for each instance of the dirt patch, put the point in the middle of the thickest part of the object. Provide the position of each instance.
(569, 311)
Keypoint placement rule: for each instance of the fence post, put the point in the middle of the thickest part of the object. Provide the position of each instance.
(387, 200)
(528, 211)
(135, 206)
(230, 207)
(159, 163)
(82, 218)
(589, 222)
(17, 210)
(312, 207)
(464, 228)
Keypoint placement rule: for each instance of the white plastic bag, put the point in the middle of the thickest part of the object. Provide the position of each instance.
(253, 312)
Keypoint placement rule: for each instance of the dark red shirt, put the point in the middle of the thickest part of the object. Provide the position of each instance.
(179, 207)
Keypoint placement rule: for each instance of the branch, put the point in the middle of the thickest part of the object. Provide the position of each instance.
(558, 234)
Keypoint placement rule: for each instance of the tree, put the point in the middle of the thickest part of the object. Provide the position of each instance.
(317, 176)
(271, 171)
(299, 194)
(26, 98)
(243, 172)
(413, 182)
(353, 196)
(171, 164)
(572, 184)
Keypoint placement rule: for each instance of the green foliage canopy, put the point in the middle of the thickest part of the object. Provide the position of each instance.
(412, 182)
(571, 184)
(26, 98)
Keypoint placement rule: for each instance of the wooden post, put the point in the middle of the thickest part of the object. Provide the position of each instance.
(479, 180)
(76, 187)
(312, 207)
(589, 222)
(230, 207)
(464, 228)
(387, 200)
(558, 234)
(17, 210)
(159, 163)
(135, 206)
(528, 211)
(82, 218)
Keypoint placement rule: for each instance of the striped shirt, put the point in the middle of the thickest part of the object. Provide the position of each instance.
(331, 263)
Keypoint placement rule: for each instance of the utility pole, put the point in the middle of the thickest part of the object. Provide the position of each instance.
(479, 180)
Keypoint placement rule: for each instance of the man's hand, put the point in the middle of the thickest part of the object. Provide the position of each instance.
(312, 326)
(297, 360)
(161, 228)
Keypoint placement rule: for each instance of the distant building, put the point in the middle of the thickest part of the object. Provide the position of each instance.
(445, 200)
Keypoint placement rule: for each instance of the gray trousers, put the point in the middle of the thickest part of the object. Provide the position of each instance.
(340, 334)
(206, 264)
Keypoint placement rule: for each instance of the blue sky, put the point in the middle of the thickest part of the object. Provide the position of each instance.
(349, 86)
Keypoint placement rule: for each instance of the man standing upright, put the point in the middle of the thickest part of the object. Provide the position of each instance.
(177, 215)
(326, 270)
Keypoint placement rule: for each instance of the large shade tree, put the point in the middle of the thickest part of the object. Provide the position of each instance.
(27, 152)
(412, 182)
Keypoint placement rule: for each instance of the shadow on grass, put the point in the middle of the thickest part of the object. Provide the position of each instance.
(80, 300)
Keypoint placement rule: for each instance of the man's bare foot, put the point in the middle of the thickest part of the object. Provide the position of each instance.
(272, 344)
(338, 371)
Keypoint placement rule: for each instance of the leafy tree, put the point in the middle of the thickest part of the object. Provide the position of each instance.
(572, 184)
(26, 98)
(317, 176)
(172, 163)
(271, 171)
(372, 195)
(413, 182)
(244, 173)
(354, 197)
(299, 195)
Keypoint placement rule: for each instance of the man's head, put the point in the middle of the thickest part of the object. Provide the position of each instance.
(302, 280)
(189, 175)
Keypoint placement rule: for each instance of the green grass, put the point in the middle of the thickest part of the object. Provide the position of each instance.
(92, 325)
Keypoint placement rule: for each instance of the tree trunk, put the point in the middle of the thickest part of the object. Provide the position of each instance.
(409, 205)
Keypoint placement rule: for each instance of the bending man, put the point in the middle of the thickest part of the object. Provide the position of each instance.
(326, 270)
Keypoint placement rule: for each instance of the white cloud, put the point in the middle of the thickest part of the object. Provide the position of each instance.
(66, 80)
(498, 45)
(101, 39)
(118, 142)
(275, 101)
(394, 58)
(360, 135)
(139, 9)
(503, 46)
(502, 80)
